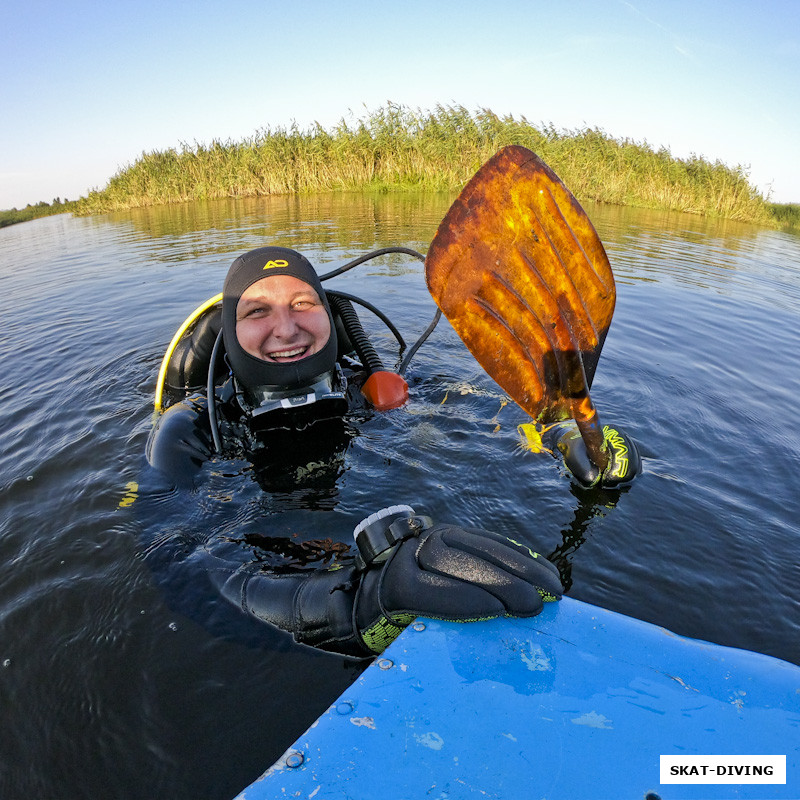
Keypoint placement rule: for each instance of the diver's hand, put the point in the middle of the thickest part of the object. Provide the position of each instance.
(624, 463)
(446, 572)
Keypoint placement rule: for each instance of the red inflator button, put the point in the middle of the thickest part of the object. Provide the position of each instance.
(385, 390)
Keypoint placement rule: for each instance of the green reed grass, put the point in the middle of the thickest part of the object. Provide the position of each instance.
(43, 209)
(786, 215)
(397, 148)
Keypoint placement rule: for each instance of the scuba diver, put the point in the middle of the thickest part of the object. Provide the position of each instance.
(282, 372)
(279, 373)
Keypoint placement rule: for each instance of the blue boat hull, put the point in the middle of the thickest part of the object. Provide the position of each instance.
(579, 702)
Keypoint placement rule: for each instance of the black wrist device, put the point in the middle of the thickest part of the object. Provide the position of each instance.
(379, 534)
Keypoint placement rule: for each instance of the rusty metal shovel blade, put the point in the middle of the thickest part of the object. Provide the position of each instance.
(519, 270)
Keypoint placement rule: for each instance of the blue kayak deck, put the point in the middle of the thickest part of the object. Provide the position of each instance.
(579, 702)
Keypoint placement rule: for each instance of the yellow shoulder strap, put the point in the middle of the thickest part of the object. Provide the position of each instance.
(192, 318)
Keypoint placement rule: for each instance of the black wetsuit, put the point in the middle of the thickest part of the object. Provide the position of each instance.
(232, 500)
(306, 587)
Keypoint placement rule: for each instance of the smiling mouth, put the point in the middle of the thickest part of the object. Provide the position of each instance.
(282, 356)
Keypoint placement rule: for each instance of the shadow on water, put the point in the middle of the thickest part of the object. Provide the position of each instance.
(117, 683)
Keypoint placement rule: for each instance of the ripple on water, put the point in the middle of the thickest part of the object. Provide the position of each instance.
(113, 681)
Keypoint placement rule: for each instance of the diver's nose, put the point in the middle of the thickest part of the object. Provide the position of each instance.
(285, 327)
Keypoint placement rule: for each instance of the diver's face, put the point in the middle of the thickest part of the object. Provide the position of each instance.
(281, 319)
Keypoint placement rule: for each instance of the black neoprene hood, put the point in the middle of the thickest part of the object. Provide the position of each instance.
(254, 373)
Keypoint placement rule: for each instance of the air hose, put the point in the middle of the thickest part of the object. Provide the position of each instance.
(352, 325)
(368, 256)
(360, 260)
(211, 395)
(383, 389)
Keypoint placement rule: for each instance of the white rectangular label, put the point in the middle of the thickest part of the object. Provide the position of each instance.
(723, 769)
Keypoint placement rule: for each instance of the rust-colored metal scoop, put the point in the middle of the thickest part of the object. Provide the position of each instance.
(519, 270)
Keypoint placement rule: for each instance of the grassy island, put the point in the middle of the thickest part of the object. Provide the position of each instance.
(399, 149)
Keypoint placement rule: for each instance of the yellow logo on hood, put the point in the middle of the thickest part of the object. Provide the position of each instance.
(279, 263)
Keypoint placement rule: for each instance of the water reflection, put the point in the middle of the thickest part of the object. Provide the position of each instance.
(589, 505)
(721, 256)
(326, 222)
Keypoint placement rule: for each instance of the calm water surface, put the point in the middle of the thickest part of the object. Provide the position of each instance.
(115, 685)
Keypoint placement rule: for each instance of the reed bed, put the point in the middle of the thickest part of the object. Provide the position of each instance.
(396, 148)
(786, 215)
(43, 209)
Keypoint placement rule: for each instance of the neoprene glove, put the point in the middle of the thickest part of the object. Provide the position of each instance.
(624, 462)
(417, 568)
(407, 567)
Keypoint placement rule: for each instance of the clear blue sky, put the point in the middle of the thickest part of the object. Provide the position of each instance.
(86, 87)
